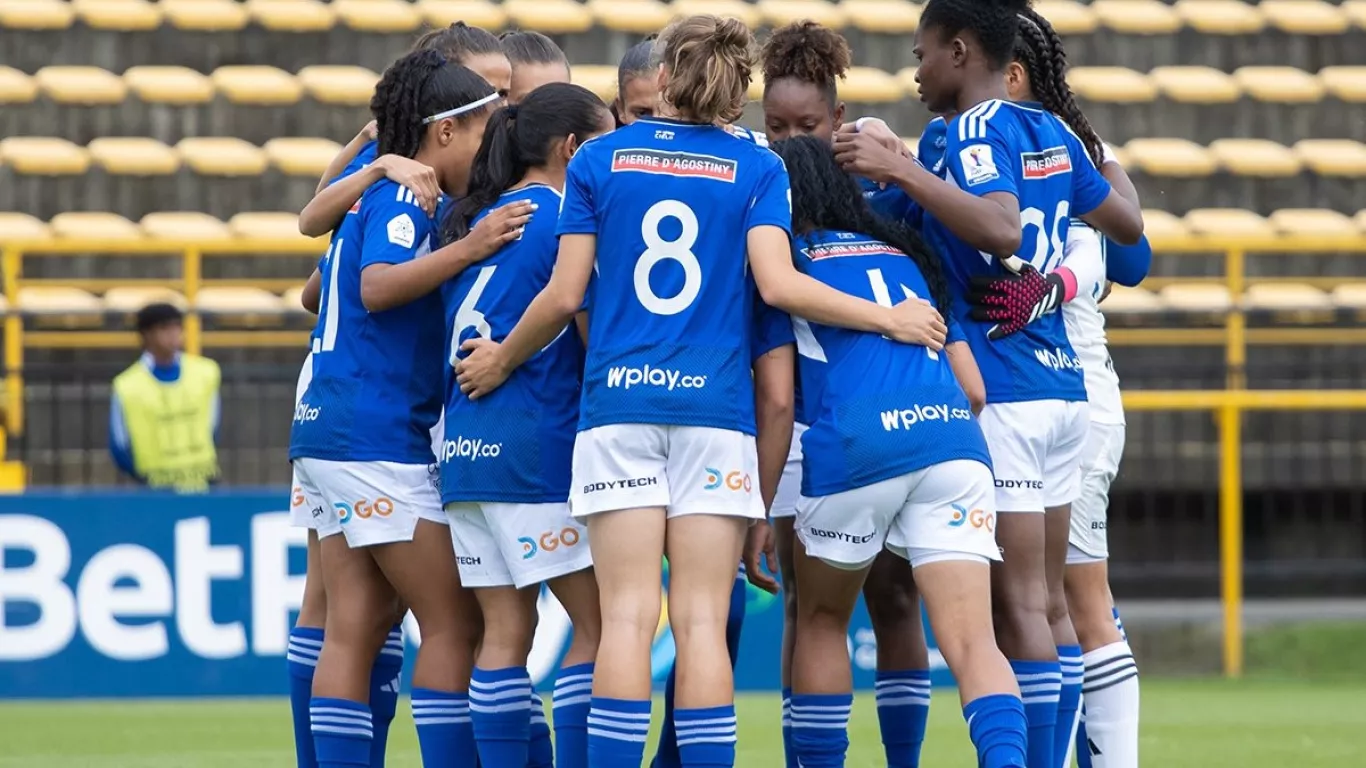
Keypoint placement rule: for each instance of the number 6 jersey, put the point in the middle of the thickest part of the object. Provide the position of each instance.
(670, 322)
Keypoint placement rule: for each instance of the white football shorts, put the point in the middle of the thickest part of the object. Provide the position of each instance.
(1036, 450)
(1088, 541)
(790, 486)
(371, 502)
(516, 545)
(687, 470)
(943, 512)
(304, 512)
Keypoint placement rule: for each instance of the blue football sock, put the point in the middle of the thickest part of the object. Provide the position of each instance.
(789, 754)
(666, 756)
(706, 737)
(445, 734)
(305, 643)
(1069, 701)
(735, 616)
(573, 695)
(903, 709)
(541, 750)
(1083, 743)
(820, 728)
(1040, 687)
(499, 715)
(385, 679)
(998, 729)
(616, 732)
(342, 731)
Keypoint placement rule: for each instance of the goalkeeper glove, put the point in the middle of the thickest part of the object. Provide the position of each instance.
(1010, 302)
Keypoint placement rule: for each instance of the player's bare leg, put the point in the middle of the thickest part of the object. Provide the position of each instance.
(903, 658)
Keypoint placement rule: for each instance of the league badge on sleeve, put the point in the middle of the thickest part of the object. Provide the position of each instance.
(978, 164)
(402, 232)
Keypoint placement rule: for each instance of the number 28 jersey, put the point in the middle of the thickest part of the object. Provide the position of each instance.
(671, 317)
(1001, 146)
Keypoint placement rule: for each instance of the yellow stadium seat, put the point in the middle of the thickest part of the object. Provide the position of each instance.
(1312, 222)
(44, 156)
(1137, 17)
(265, 225)
(205, 15)
(37, 14)
(1304, 17)
(553, 17)
(238, 301)
(1356, 12)
(1196, 297)
(293, 299)
(1333, 157)
(1195, 85)
(118, 15)
(184, 225)
(16, 87)
(1067, 17)
(292, 15)
(169, 85)
(1350, 296)
(134, 156)
(1360, 220)
(1162, 225)
(866, 85)
(1285, 85)
(778, 13)
(598, 78)
(301, 157)
(1126, 301)
(1279, 297)
(256, 85)
(21, 226)
(1118, 155)
(734, 9)
(882, 17)
(1345, 83)
(81, 85)
(222, 156)
(1116, 85)
(476, 13)
(1228, 222)
(1255, 157)
(345, 85)
(94, 225)
(383, 16)
(638, 17)
(131, 298)
(1221, 17)
(57, 300)
(1170, 157)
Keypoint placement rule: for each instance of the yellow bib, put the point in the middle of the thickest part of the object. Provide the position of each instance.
(170, 425)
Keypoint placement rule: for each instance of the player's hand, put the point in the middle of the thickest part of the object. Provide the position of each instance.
(761, 557)
(864, 154)
(500, 227)
(370, 132)
(482, 370)
(877, 128)
(1013, 301)
(916, 321)
(413, 176)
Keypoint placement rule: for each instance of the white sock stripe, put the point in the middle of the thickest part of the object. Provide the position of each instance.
(574, 687)
(616, 736)
(306, 642)
(339, 712)
(307, 661)
(684, 741)
(903, 701)
(395, 634)
(693, 733)
(301, 648)
(339, 722)
(536, 697)
(705, 723)
(440, 707)
(514, 697)
(631, 719)
(574, 679)
(820, 708)
(898, 692)
(490, 709)
(1038, 677)
(519, 684)
(841, 726)
(900, 686)
(420, 721)
(396, 653)
(1042, 699)
(368, 733)
(571, 701)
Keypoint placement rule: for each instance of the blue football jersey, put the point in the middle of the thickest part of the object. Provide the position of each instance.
(930, 151)
(516, 444)
(376, 391)
(772, 329)
(367, 154)
(671, 316)
(878, 408)
(1000, 146)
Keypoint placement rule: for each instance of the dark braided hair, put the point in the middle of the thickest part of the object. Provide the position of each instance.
(1039, 50)
(418, 86)
(808, 52)
(458, 42)
(517, 139)
(992, 22)
(825, 197)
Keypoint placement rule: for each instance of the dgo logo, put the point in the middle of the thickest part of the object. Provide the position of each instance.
(976, 518)
(383, 506)
(735, 481)
(549, 541)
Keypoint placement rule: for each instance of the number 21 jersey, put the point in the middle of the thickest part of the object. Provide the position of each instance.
(670, 322)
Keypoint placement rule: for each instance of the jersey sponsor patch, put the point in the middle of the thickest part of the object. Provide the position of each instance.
(402, 231)
(682, 164)
(978, 164)
(837, 250)
(1050, 162)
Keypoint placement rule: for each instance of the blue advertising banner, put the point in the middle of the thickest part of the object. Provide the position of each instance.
(144, 594)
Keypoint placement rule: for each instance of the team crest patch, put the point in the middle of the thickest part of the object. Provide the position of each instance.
(1050, 162)
(838, 250)
(978, 164)
(681, 164)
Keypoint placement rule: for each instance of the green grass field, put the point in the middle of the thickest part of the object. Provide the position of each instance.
(1204, 724)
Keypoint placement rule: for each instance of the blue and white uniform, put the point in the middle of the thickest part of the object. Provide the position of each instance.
(361, 440)
(667, 417)
(1035, 419)
(506, 458)
(893, 455)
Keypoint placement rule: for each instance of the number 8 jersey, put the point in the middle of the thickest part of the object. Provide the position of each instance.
(670, 322)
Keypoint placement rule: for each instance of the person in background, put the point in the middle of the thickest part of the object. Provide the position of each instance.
(164, 413)
(536, 61)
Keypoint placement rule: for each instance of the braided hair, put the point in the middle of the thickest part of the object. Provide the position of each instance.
(1039, 50)
(416, 87)
(992, 22)
(808, 52)
(825, 197)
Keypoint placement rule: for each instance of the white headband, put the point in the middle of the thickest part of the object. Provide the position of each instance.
(470, 107)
